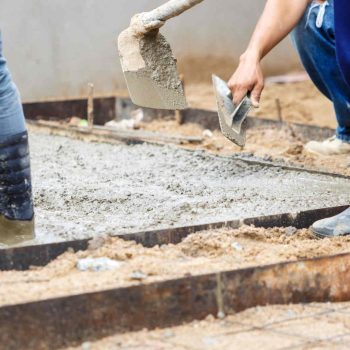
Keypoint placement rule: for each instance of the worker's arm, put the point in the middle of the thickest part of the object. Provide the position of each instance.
(277, 21)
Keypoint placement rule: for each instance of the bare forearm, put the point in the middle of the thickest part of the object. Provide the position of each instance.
(277, 21)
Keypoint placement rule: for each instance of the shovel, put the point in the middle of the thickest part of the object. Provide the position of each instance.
(147, 61)
(232, 118)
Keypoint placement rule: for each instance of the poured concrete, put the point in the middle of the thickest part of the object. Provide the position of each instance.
(83, 189)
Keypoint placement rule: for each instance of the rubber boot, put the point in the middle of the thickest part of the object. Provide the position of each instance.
(335, 226)
(16, 202)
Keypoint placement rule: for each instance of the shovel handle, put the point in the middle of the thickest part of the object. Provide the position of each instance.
(156, 18)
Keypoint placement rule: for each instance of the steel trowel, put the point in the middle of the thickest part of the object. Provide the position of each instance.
(232, 118)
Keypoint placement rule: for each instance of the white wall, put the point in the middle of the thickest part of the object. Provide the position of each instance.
(55, 47)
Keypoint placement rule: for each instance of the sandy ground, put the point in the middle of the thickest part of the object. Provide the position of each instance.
(205, 252)
(307, 327)
(84, 189)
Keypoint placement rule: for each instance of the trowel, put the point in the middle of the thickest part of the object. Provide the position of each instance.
(147, 60)
(232, 118)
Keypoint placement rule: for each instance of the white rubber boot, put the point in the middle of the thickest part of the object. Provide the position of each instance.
(332, 146)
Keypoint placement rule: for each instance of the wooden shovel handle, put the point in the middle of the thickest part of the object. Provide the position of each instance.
(156, 18)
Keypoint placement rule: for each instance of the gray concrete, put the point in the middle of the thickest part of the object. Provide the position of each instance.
(83, 189)
(56, 47)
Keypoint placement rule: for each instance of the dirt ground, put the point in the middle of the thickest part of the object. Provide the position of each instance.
(307, 327)
(200, 253)
(300, 103)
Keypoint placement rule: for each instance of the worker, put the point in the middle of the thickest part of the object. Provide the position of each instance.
(321, 34)
(16, 204)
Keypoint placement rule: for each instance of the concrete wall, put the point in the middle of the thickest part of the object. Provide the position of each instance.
(55, 47)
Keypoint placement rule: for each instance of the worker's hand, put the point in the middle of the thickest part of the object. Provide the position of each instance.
(247, 78)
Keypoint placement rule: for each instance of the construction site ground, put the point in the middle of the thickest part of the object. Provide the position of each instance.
(83, 189)
(100, 190)
(300, 103)
(287, 327)
(200, 253)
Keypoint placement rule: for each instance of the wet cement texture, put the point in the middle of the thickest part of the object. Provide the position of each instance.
(84, 189)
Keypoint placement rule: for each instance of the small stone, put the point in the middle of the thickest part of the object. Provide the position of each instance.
(221, 315)
(138, 276)
(290, 231)
(97, 242)
(207, 134)
(86, 346)
(98, 264)
(168, 334)
(237, 246)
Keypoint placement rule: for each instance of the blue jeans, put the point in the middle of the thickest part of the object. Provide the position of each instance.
(314, 38)
(11, 112)
(16, 201)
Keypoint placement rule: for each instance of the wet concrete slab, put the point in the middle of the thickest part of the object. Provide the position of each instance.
(84, 189)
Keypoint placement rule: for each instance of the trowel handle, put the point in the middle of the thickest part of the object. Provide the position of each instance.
(156, 18)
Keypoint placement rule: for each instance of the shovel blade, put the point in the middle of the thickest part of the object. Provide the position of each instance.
(231, 117)
(153, 81)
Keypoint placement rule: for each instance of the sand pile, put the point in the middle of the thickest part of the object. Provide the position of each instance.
(200, 253)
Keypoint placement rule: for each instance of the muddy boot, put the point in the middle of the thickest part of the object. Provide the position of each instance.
(335, 226)
(16, 203)
(15, 231)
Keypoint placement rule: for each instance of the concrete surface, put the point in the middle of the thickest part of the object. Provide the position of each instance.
(83, 189)
(56, 47)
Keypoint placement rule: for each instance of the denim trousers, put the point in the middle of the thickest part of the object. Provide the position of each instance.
(314, 39)
(11, 112)
(16, 202)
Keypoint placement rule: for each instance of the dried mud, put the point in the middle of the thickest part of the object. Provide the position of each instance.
(204, 252)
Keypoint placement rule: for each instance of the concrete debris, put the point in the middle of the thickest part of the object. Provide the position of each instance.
(128, 124)
(98, 264)
(86, 346)
(290, 231)
(207, 134)
(138, 276)
(237, 246)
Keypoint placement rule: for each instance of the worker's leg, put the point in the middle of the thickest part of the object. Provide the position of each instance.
(315, 41)
(16, 205)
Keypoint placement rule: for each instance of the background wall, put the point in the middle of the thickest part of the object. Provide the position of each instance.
(55, 47)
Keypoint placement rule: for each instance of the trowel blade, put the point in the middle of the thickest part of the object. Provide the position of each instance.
(231, 117)
(153, 82)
